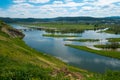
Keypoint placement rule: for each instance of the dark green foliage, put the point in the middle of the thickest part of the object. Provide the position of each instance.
(82, 40)
(112, 45)
(115, 28)
(113, 39)
(64, 19)
(58, 35)
(3, 34)
(98, 26)
(112, 75)
(12, 70)
(26, 72)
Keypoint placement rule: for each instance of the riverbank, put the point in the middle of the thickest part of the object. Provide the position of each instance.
(108, 46)
(59, 35)
(113, 39)
(113, 29)
(18, 61)
(62, 27)
(82, 40)
(112, 54)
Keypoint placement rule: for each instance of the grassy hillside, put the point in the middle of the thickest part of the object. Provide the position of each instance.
(20, 62)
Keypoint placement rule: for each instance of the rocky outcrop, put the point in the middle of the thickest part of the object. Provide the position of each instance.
(10, 31)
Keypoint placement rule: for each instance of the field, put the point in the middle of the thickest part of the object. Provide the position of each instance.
(82, 40)
(65, 25)
(62, 27)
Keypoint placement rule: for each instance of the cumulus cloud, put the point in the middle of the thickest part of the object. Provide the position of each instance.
(58, 2)
(87, 8)
(96, 8)
(105, 2)
(89, 0)
(67, 1)
(38, 1)
(19, 1)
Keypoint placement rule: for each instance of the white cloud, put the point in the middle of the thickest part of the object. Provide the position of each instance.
(97, 8)
(105, 2)
(38, 1)
(87, 8)
(21, 6)
(69, 4)
(57, 2)
(67, 1)
(19, 1)
(89, 0)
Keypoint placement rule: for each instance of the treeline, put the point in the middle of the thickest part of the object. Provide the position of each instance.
(114, 28)
(112, 45)
(63, 19)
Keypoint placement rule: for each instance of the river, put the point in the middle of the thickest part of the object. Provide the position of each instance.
(79, 58)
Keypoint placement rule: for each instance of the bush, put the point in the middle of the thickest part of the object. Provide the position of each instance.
(112, 75)
(25, 72)
(112, 45)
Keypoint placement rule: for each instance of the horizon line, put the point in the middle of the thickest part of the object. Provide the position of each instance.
(59, 17)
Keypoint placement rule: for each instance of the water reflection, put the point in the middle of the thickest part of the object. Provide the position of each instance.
(79, 58)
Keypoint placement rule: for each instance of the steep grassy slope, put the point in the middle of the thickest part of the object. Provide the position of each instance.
(20, 62)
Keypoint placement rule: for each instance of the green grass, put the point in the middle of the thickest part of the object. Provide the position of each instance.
(20, 62)
(59, 35)
(112, 75)
(63, 27)
(108, 31)
(112, 53)
(100, 46)
(113, 29)
(82, 40)
(103, 46)
(113, 39)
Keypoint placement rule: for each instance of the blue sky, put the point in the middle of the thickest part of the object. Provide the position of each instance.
(58, 8)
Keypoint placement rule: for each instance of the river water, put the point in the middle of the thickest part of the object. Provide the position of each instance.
(79, 58)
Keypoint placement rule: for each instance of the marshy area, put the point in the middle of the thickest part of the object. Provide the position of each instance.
(65, 43)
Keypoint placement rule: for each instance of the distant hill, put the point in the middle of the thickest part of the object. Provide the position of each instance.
(7, 20)
(63, 19)
(113, 17)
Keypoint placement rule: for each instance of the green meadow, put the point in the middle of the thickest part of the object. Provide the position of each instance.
(20, 62)
(62, 27)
